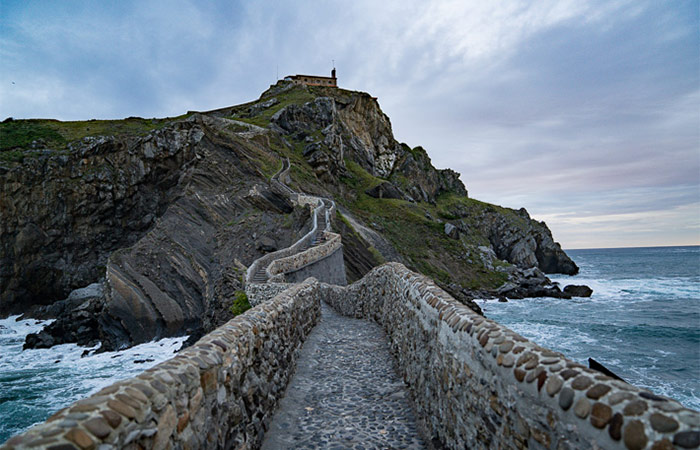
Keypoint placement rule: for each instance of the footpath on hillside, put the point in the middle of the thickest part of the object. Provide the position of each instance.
(345, 393)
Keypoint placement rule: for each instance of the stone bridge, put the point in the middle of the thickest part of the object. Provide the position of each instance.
(391, 361)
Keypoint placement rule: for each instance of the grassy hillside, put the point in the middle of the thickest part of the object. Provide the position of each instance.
(415, 233)
(23, 138)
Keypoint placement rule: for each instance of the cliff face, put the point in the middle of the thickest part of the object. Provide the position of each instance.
(338, 126)
(63, 215)
(166, 223)
(166, 220)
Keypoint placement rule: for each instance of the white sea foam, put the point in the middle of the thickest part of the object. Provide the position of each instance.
(641, 321)
(11, 327)
(34, 383)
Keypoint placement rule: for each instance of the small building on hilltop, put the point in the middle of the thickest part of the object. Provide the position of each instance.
(314, 80)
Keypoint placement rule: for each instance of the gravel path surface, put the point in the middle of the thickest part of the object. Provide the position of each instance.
(345, 392)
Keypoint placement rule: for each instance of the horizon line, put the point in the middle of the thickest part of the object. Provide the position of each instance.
(630, 247)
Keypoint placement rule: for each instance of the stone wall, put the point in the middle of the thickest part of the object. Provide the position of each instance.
(477, 384)
(330, 269)
(304, 199)
(219, 393)
(302, 259)
(264, 260)
(261, 292)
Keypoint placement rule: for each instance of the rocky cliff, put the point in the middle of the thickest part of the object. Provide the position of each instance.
(166, 215)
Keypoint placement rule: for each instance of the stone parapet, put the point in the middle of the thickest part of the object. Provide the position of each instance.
(304, 199)
(305, 241)
(219, 393)
(478, 384)
(302, 259)
(261, 292)
(330, 269)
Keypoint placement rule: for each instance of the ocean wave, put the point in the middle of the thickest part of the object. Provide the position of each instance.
(35, 383)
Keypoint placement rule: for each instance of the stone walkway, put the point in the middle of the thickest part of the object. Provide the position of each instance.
(345, 393)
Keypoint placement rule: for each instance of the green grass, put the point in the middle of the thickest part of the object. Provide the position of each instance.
(17, 136)
(420, 240)
(297, 95)
(375, 253)
(268, 163)
(12, 156)
(21, 133)
(240, 303)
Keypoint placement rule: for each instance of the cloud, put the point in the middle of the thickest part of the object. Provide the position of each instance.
(567, 108)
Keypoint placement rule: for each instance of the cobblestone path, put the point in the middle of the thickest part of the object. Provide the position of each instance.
(345, 393)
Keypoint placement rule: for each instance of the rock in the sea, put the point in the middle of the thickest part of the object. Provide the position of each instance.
(576, 290)
(506, 288)
(531, 282)
(73, 323)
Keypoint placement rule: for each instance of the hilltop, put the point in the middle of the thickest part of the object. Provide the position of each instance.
(161, 217)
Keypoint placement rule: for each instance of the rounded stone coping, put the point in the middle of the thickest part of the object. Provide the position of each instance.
(302, 259)
(152, 409)
(261, 292)
(610, 412)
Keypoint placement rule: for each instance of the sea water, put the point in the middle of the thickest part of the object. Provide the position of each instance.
(36, 383)
(642, 321)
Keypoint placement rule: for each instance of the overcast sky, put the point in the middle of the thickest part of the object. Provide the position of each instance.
(585, 113)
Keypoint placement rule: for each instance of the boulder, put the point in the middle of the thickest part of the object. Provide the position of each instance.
(74, 323)
(260, 107)
(576, 290)
(506, 288)
(385, 190)
(266, 244)
(530, 282)
(451, 231)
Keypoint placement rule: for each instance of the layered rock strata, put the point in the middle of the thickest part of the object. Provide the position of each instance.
(197, 185)
(167, 222)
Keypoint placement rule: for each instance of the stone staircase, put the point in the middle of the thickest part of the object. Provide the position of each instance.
(259, 271)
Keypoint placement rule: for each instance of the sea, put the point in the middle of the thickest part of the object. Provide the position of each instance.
(642, 321)
(36, 383)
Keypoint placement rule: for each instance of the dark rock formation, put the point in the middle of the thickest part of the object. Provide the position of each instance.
(64, 214)
(415, 173)
(530, 282)
(165, 219)
(385, 190)
(357, 252)
(352, 125)
(79, 325)
(576, 290)
(452, 231)
(522, 241)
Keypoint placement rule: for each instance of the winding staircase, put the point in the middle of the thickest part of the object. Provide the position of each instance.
(315, 245)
